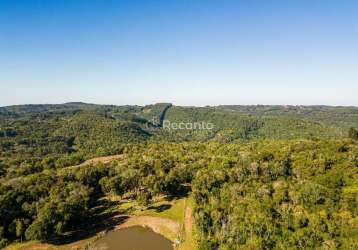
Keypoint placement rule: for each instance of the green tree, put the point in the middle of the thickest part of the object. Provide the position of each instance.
(144, 197)
(2, 169)
(3, 240)
(20, 228)
(353, 133)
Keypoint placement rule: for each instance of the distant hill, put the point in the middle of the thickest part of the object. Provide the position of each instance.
(45, 133)
(230, 122)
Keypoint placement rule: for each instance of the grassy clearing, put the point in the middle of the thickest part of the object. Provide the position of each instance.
(169, 209)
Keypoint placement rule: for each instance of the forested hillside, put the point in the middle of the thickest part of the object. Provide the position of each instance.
(334, 116)
(230, 122)
(264, 177)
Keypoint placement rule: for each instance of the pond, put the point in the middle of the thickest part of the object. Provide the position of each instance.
(134, 238)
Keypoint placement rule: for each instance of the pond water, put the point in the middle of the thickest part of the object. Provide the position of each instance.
(134, 238)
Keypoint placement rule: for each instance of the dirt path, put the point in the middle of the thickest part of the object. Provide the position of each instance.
(102, 159)
(189, 242)
(188, 220)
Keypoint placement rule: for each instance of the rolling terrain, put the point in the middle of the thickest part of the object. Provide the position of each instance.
(264, 177)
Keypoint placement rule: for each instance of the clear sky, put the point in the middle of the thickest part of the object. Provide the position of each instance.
(188, 52)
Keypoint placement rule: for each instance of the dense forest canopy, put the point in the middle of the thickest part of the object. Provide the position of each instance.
(265, 177)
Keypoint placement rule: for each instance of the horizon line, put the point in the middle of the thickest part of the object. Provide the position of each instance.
(198, 106)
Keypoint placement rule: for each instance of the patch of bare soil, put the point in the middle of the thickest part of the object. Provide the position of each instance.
(188, 219)
(103, 159)
(166, 227)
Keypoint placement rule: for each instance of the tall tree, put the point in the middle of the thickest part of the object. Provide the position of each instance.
(353, 133)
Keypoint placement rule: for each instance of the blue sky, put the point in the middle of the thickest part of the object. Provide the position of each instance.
(188, 52)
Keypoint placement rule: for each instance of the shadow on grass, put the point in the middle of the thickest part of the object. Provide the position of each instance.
(182, 192)
(104, 217)
(160, 208)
